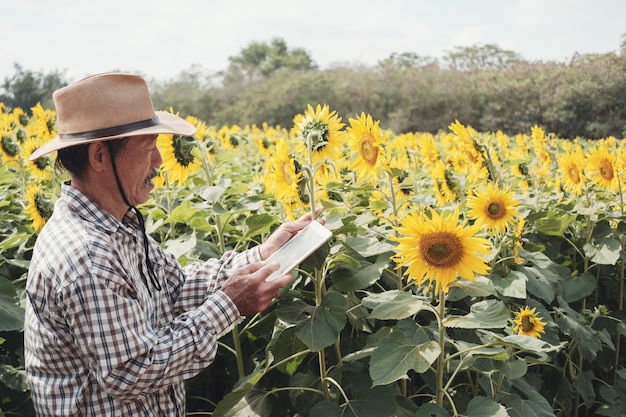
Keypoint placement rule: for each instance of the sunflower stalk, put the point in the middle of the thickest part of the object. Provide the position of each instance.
(442, 354)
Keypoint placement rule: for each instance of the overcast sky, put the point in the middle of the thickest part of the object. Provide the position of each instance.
(160, 39)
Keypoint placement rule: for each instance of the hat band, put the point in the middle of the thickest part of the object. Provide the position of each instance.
(111, 131)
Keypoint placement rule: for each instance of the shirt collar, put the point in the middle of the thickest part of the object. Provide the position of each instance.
(93, 213)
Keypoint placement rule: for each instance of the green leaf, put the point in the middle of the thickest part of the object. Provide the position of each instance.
(368, 246)
(604, 252)
(365, 401)
(181, 214)
(348, 279)
(513, 285)
(485, 407)
(285, 344)
(11, 313)
(542, 278)
(259, 224)
(240, 402)
(573, 324)
(13, 378)
(322, 324)
(577, 287)
(403, 305)
(584, 386)
(513, 370)
(211, 194)
(532, 405)
(394, 357)
(553, 222)
(481, 287)
(484, 314)
(182, 246)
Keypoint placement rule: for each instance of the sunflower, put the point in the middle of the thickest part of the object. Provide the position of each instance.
(366, 139)
(439, 249)
(179, 160)
(283, 178)
(444, 183)
(319, 131)
(601, 168)
(528, 323)
(40, 168)
(494, 208)
(571, 168)
(10, 150)
(39, 206)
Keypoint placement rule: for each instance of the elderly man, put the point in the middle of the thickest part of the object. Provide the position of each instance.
(114, 324)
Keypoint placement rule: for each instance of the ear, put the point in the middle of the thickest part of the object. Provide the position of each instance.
(98, 156)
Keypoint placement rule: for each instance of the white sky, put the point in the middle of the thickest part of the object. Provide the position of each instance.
(160, 39)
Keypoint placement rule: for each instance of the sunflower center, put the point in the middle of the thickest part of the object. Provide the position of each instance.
(42, 162)
(44, 205)
(606, 170)
(9, 146)
(441, 249)
(183, 150)
(527, 324)
(495, 210)
(368, 151)
(573, 175)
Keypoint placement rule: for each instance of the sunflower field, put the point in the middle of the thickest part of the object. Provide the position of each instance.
(469, 273)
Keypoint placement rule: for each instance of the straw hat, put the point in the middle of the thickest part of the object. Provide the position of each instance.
(108, 106)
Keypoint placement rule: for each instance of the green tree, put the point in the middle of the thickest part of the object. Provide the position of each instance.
(27, 88)
(480, 57)
(261, 59)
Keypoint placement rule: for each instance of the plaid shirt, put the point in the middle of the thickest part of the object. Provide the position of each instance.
(96, 342)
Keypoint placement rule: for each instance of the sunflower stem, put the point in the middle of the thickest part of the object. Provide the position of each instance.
(442, 340)
(394, 221)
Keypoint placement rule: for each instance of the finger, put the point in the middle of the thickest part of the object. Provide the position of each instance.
(280, 283)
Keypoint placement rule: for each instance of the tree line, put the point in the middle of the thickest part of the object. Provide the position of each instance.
(483, 86)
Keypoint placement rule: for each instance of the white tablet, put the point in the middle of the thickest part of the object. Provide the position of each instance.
(298, 248)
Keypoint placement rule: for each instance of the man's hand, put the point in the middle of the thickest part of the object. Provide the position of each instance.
(249, 290)
(284, 232)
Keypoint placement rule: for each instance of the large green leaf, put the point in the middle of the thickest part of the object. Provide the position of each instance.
(513, 285)
(486, 314)
(368, 246)
(365, 401)
(181, 246)
(403, 305)
(531, 404)
(573, 324)
(346, 278)
(321, 325)
(604, 252)
(577, 287)
(395, 356)
(285, 344)
(259, 224)
(13, 378)
(485, 407)
(181, 213)
(243, 401)
(11, 313)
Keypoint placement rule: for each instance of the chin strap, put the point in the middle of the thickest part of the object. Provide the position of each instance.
(149, 266)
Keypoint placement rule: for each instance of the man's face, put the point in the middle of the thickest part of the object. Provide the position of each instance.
(137, 164)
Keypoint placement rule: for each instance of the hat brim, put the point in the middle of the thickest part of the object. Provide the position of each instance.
(168, 123)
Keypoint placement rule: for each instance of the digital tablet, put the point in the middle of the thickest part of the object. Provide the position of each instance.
(298, 248)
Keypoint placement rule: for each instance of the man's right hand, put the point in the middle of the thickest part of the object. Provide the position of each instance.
(249, 290)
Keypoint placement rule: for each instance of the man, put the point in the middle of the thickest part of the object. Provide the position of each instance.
(113, 323)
